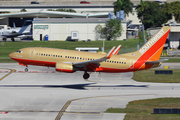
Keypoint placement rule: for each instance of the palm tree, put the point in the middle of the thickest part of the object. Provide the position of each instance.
(141, 8)
(125, 5)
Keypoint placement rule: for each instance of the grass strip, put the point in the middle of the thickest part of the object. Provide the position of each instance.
(150, 76)
(143, 109)
(8, 47)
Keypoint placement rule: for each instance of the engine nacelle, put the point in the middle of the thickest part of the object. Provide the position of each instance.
(64, 67)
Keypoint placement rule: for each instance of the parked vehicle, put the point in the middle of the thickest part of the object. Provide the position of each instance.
(84, 2)
(34, 2)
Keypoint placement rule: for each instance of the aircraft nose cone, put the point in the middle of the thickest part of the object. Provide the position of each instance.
(11, 55)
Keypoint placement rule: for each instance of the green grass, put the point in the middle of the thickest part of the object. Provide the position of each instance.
(150, 76)
(8, 47)
(6, 60)
(143, 109)
(172, 60)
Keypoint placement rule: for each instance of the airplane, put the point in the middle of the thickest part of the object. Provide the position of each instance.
(70, 61)
(16, 32)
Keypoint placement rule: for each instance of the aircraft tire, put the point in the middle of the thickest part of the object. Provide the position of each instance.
(86, 76)
(26, 69)
(4, 39)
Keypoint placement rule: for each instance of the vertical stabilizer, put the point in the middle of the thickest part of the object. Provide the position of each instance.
(26, 28)
(153, 48)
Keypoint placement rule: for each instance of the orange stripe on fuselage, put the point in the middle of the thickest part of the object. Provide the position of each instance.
(52, 64)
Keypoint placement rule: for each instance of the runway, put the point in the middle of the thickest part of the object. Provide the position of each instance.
(65, 96)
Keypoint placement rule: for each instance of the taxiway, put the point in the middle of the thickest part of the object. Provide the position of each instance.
(42, 95)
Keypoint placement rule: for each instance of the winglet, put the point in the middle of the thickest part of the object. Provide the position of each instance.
(116, 50)
(110, 53)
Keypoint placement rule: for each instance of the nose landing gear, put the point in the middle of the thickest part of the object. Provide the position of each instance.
(26, 69)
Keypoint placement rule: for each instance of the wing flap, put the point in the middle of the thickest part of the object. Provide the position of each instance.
(95, 63)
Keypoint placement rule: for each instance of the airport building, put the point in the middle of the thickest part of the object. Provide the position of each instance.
(64, 29)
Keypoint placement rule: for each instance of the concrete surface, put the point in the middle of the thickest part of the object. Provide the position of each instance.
(66, 96)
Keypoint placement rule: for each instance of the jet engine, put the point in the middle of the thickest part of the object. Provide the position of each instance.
(64, 67)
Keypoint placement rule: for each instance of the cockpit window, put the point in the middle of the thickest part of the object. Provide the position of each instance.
(19, 51)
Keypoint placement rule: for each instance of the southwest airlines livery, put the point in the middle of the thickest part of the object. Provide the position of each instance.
(71, 61)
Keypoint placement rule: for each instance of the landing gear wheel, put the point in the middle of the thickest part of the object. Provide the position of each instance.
(26, 69)
(4, 39)
(86, 76)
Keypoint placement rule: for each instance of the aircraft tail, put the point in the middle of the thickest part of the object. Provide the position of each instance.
(152, 50)
(26, 28)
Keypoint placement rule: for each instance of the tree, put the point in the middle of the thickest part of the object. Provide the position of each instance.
(23, 10)
(167, 10)
(125, 5)
(63, 10)
(141, 9)
(175, 10)
(112, 29)
(151, 15)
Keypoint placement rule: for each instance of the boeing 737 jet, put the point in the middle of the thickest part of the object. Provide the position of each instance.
(71, 61)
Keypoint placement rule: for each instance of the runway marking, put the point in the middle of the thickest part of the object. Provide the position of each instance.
(63, 110)
(25, 111)
(12, 70)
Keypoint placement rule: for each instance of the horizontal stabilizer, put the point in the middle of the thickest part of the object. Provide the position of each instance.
(157, 61)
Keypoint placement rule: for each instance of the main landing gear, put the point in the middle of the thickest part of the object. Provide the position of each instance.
(86, 75)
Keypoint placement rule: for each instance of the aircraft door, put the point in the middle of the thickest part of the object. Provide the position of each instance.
(132, 63)
(32, 52)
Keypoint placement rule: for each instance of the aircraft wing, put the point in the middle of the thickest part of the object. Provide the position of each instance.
(92, 64)
(155, 62)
